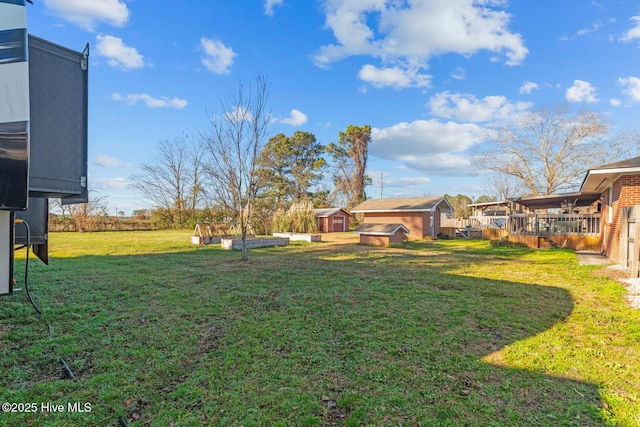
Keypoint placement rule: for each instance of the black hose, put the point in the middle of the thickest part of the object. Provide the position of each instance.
(26, 270)
(64, 364)
(66, 367)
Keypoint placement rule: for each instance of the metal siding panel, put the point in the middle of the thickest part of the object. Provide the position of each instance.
(6, 251)
(14, 92)
(58, 94)
(13, 45)
(15, 2)
(12, 15)
(14, 165)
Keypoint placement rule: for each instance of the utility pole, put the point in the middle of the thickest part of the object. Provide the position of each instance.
(381, 184)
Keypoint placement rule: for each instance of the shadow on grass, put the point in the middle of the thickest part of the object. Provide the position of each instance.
(341, 336)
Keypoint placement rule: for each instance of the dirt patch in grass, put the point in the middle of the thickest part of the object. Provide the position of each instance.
(210, 338)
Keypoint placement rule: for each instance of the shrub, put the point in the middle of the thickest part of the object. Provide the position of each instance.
(507, 244)
(300, 218)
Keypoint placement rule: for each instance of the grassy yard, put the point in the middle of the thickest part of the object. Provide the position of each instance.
(445, 333)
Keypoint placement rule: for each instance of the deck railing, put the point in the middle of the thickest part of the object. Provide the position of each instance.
(474, 222)
(554, 224)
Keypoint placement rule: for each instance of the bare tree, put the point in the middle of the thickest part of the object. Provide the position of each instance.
(85, 215)
(172, 179)
(549, 150)
(239, 132)
(502, 186)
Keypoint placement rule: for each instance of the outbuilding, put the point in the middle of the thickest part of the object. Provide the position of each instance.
(381, 234)
(420, 215)
(332, 220)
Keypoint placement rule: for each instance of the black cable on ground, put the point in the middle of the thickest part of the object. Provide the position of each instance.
(26, 267)
(64, 364)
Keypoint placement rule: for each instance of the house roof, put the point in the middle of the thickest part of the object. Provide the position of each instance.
(416, 204)
(602, 177)
(380, 229)
(323, 213)
(552, 201)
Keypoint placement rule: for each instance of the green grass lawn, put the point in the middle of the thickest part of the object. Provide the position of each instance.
(447, 333)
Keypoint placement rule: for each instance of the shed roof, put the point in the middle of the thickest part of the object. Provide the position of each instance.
(327, 212)
(380, 229)
(602, 177)
(415, 204)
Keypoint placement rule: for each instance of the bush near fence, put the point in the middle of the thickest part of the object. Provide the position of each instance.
(96, 224)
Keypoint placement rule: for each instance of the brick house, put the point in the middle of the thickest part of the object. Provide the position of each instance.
(619, 186)
(420, 215)
(381, 234)
(332, 220)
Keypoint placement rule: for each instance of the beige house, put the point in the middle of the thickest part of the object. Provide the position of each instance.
(420, 215)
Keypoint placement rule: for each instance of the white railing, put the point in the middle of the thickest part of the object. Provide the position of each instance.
(554, 224)
(474, 222)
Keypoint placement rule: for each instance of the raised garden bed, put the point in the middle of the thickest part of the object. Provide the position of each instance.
(236, 243)
(213, 240)
(300, 236)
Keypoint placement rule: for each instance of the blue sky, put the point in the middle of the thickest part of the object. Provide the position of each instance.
(428, 75)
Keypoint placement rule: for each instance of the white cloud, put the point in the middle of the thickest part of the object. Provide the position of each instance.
(459, 73)
(162, 102)
(595, 27)
(405, 182)
(581, 91)
(395, 77)
(427, 145)
(87, 14)
(633, 33)
(217, 58)
(528, 87)
(407, 34)
(270, 4)
(468, 108)
(297, 118)
(107, 161)
(109, 183)
(630, 87)
(118, 54)
(615, 102)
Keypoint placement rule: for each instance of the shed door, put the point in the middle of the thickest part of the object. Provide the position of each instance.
(337, 223)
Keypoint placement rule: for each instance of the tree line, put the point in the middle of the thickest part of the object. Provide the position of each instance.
(235, 172)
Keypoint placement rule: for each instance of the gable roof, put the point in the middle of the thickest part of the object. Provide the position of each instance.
(380, 229)
(602, 177)
(414, 204)
(323, 213)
